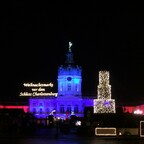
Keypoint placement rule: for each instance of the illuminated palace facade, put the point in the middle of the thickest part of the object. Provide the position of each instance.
(69, 98)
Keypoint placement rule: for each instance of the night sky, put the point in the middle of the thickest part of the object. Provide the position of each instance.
(105, 37)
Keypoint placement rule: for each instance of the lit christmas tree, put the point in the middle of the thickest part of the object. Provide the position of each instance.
(104, 103)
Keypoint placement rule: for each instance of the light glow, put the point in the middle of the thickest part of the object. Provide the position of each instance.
(78, 123)
(138, 111)
(76, 80)
(25, 108)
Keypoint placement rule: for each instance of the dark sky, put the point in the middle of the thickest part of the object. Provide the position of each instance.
(105, 36)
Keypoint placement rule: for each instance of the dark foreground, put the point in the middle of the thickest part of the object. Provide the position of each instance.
(68, 141)
(55, 136)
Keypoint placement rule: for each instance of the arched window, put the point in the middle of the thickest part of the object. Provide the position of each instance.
(76, 109)
(34, 104)
(76, 87)
(62, 109)
(47, 110)
(40, 104)
(41, 110)
(69, 109)
(34, 110)
(69, 87)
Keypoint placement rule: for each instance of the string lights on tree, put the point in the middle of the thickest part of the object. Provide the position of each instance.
(104, 103)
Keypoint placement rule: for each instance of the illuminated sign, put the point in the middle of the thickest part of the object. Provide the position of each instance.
(100, 131)
(37, 89)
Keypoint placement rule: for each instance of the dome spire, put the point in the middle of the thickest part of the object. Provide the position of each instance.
(70, 44)
(69, 59)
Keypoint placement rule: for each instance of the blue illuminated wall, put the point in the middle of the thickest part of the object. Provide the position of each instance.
(69, 100)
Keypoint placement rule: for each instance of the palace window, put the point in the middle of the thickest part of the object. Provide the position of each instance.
(34, 110)
(41, 104)
(47, 110)
(34, 104)
(77, 88)
(61, 88)
(69, 87)
(76, 109)
(69, 109)
(41, 110)
(62, 109)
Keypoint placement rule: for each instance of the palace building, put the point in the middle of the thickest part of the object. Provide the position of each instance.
(69, 99)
